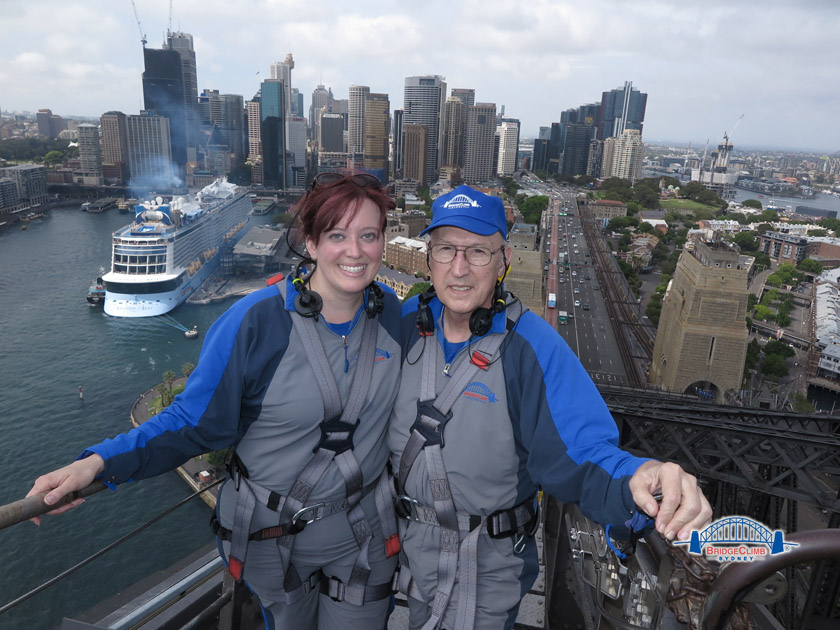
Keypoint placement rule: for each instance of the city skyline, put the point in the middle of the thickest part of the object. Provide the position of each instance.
(702, 66)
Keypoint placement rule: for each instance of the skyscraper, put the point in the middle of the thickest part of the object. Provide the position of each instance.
(149, 151)
(182, 43)
(576, 148)
(282, 71)
(114, 146)
(453, 132)
(480, 135)
(252, 109)
(508, 132)
(629, 152)
(320, 99)
(163, 93)
(466, 96)
(356, 121)
(90, 156)
(425, 97)
(377, 119)
(331, 127)
(296, 150)
(540, 159)
(555, 148)
(273, 133)
(397, 136)
(233, 131)
(415, 138)
(621, 108)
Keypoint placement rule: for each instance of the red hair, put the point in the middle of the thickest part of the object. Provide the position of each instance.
(324, 207)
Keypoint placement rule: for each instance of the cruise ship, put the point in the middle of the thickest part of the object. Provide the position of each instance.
(169, 249)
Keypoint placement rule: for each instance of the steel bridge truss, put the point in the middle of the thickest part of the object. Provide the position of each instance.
(778, 468)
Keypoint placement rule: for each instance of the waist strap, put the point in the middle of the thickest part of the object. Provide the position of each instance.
(519, 520)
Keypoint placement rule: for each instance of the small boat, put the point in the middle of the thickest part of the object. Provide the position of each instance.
(86, 206)
(96, 291)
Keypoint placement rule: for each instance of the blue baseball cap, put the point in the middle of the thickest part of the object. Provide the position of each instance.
(470, 210)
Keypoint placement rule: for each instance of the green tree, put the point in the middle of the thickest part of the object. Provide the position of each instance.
(783, 319)
(801, 404)
(401, 203)
(753, 355)
(764, 313)
(165, 394)
(770, 296)
(169, 377)
(818, 233)
(532, 208)
(774, 367)
(187, 369)
(768, 216)
(762, 260)
(829, 223)
(53, 158)
(752, 203)
(810, 265)
(218, 459)
(778, 347)
(416, 289)
(752, 299)
(746, 241)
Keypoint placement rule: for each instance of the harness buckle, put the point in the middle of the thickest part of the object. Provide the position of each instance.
(432, 435)
(332, 442)
(406, 507)
(298, 520)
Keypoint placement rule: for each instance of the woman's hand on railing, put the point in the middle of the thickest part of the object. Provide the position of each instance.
(59, 483)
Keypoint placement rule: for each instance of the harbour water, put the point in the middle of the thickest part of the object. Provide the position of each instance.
(52, 343)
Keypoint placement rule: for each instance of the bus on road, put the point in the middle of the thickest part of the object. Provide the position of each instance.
(552, 300)
(562, 317)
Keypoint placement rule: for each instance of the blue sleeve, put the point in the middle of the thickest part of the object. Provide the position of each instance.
(221, 399)
(567, 437)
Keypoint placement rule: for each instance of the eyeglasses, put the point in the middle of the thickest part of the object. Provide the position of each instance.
(476, 255)
(328, 180)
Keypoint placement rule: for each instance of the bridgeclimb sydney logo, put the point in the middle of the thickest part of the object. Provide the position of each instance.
(461, 201)
(480, 392)
(737, 539)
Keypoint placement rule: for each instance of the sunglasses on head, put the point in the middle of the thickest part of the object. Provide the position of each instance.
(327, 180)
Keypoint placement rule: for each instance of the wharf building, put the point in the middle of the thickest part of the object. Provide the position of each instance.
(424, 101)
(30, 182)
(701, 341)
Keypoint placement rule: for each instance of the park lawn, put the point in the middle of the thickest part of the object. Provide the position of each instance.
(685, 205)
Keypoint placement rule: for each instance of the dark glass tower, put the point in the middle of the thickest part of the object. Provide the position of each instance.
(163, 93)
(272, 133)
(621, 108)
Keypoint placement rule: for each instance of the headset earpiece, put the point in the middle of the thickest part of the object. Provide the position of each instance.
(424, 318)
(307, 303)
(482, 318)
(375, 301)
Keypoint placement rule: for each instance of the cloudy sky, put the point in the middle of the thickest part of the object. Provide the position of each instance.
(702, 63)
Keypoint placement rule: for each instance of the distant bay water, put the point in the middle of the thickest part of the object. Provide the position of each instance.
(52, 342)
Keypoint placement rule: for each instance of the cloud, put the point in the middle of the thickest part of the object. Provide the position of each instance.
(702, 64)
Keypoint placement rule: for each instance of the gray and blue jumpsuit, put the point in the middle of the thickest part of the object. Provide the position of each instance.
(533, 419)
(253, 387)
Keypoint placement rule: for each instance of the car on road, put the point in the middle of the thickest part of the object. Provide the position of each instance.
(586, 306)
(577, 302)
(577, 290)
(574, 273)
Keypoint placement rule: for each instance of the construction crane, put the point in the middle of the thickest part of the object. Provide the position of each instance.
(139, 27)
(728, 135)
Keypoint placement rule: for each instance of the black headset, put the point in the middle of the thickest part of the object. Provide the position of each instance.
(481, 318)
(308, 303)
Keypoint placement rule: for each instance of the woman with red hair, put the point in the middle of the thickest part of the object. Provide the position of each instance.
(301, 377)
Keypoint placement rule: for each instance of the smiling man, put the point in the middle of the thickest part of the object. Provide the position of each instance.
(492, 406)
